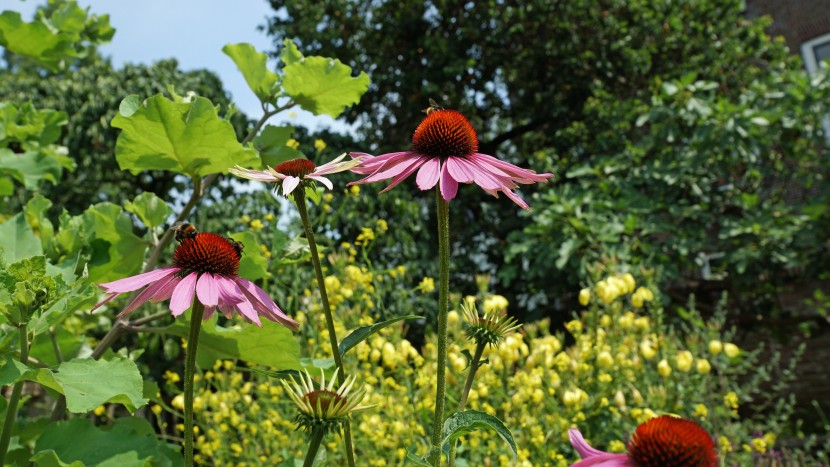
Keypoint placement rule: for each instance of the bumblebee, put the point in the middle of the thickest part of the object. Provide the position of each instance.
(237, 246)
(184, 231)
(433, 106)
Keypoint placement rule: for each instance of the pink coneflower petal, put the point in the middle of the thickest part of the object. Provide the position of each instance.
(461, 170)
(325, 181)
(145, 295)
(234, 296)
(383, 173)
(207, 291)
(510, 169)
(592, 456)
(412, 167)
(209, 311)
(428, 174)
(166, 292)
(289, 184)
(370, 164)
(516, 199)
(264, 304)
(182, 296)
(226, 310)
(449, 187)
(132, 283)
(257, 175)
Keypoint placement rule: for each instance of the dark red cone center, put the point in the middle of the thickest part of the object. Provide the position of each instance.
(296, 167)
(324, 397)
(445, 133)
(207, 252)
(668, 441)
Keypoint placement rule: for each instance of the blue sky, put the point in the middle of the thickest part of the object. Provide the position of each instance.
(191, 31)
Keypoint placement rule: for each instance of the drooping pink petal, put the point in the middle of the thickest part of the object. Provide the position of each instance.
(104, 301)
(231, 294)
(209, 311)
(516, 199)
(510, 169)
(166, 291)
(264, 304)
(406, 173)
(449, 187)
(485, 179)
(584, 449)
(226, 310)
(325, 181)
(207, 290)
(391, 170)
(370, 164)
(182, 296)
(460, 169)
(129, 284)
(607, 460)
(145, 295)
(258, 175)
(428, 174)
(289, 184)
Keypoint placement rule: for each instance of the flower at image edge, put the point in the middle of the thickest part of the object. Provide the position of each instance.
(661, 441)
(204, 266)
(291, 174)
(445, 152)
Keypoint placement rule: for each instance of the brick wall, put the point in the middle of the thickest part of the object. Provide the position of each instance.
(796, 20)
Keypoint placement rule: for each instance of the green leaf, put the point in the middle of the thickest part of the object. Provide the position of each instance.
(290, 53)
(151, 209)
(30, 168)
(271, 145)
(129, 105)
(461, 423)
(35, 212)
(254, 67)
(364, 332)
(187, 138)
(34, 40)
(129, 442)
(272, 345)
(88, 383)
(321, 85)
(415, 460)
(19, 241)
(118, 252)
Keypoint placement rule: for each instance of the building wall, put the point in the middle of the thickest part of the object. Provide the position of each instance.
(796, 20)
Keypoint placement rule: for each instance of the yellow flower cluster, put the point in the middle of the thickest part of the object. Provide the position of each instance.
(622, 368)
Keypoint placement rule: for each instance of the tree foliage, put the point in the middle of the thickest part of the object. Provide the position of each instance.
(680, 133)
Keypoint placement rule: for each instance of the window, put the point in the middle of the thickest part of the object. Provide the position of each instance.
(815, 51)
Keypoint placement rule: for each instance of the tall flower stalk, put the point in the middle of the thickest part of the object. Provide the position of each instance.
(14, 400)
(291, 178)
(443, 212)
(189, 373)
(299, 197)
(445, 154)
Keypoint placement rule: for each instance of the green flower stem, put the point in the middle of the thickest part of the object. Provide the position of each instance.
(313, 446)
(299, 197)
(11, 408)
(474, 363)
(189, 371)
(443, 212)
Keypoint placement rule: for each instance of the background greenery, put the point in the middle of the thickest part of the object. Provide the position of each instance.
(688, 147)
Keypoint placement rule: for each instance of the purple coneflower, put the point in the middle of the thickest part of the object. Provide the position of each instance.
(664, 441)
(445, 152)
(290, 174)
(206, 265)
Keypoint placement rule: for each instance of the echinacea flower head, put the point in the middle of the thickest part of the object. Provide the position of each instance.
(296, 172)
(491, 328)
(664, 441)
(445, 152)
(324, 407)
(205, 266)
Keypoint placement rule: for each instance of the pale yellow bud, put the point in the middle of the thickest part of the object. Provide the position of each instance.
(585, 297)
(605, 360)
(731, 350)
(684, 360)
(664, 368)
(715, 347)
(703, 366)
